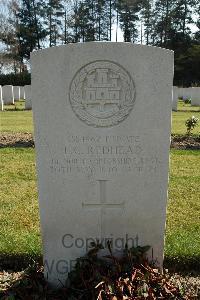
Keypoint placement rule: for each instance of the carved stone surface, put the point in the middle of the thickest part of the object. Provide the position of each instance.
(102, 115)
(8, 95)
(195, 96)
(102, 94)
(16, 92)
(175, 98)
(27, 91)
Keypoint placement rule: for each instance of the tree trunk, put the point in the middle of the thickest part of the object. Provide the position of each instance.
(110, 17)
(117, 25)
(166, 22)
(185, 15)
(36, 24)
(65, 27)
(50, 30)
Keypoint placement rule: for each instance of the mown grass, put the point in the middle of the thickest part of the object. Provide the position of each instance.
(18, 106)
(185, 111)
(19, 220)
(15, 119)
(183, 215)
(21, 121)
(187, 107)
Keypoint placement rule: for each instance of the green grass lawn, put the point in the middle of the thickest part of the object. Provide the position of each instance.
(15, 119)
(19, 224)
(187, 107)
(185, 111)
(18, 106)
(183, 216)
(19, 221)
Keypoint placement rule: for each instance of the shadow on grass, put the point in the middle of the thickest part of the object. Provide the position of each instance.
(183, 265)
(14, 109)
(17, 263)
(18, 144)
(188, 110)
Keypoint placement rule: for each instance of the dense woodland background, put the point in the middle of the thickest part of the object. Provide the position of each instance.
(27, 25)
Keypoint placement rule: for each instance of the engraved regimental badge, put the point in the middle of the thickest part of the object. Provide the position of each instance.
(102, 94)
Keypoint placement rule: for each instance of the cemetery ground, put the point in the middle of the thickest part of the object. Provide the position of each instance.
(19, 221)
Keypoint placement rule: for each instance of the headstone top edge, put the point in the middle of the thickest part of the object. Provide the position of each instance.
(96, 43)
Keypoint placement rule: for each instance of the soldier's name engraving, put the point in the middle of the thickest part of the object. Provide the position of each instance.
(103, 150)
(87, 155)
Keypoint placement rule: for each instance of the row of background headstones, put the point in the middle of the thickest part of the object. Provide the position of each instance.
(191, 93)
(9, 94)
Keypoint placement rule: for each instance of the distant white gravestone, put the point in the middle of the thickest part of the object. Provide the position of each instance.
(16, 92)
(1, 98)
(195, 98)
(27, 91)
(102, 115)
(8, 95)
(22, 93)
(175, 98)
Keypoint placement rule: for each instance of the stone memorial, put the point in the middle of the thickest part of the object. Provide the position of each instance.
(195, 96)
(1, 98)
(27, 91)
(102, 117)
(8, 95)
(175, 98)
(22, 93)
(16, 92)
(186, 93)
(180, 92)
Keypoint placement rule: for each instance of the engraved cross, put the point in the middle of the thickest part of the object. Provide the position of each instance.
(103, 205)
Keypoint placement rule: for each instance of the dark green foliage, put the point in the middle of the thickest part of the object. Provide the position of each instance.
(29, 30)
(128, 17)
(15, 79)
(165, 23)
(191, 123)
(187, 101)
(91, 20)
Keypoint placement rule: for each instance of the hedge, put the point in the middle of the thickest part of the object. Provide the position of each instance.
(15, 79)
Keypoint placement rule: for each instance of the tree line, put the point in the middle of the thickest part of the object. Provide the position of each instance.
(27, 25)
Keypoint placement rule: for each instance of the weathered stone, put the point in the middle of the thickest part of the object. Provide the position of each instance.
(27, 91)
(175, 98)
(8, 95)
(195, 98)
(102, 114)
(16, 92)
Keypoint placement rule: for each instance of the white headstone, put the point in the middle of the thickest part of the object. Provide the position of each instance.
(175, 98)
(1, 98)
(186, 93)
(22, 93)
(102, 140)
(8, 95)
(16, 91)
(195, 98)
(28, 104)
(180, 92)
